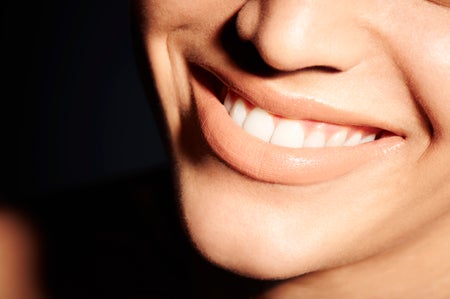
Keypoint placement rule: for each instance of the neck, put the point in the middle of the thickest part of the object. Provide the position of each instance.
(418, 268)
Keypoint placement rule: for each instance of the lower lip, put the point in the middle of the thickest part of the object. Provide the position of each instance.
(266, 162)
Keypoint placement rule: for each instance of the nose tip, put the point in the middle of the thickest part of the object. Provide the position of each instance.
(291, 35)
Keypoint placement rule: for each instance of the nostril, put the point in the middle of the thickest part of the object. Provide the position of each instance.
(302, 35)
(243, 52)
(322, 69)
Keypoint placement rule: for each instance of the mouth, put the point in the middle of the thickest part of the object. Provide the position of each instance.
(293, 133)
(272, 139)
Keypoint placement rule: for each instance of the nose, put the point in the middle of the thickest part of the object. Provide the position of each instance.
(297, 34)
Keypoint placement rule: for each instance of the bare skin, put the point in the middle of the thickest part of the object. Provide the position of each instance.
(359, 220)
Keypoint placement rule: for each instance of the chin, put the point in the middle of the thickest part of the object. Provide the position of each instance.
(302, 171)
(271, 210)
(273, 231)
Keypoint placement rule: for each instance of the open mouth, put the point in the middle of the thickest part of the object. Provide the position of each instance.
(294, 133)
(272, 148)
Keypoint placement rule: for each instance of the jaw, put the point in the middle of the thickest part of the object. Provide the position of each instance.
(281, 221)
(274, 230)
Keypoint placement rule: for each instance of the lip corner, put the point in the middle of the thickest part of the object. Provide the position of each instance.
(269, 163)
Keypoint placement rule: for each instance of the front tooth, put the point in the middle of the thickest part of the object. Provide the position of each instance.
(368, 138)
(315, 139)
(260, 124)
(354, 140)
(337, 139)
(238, 112)
(228, 103)
(288, 133)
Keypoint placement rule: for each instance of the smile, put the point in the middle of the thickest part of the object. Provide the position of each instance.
(269, 147)
(294, 133)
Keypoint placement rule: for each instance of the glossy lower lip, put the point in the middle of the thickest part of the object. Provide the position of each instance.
(274, 164)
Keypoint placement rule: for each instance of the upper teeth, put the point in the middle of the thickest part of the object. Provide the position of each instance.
(293, 133)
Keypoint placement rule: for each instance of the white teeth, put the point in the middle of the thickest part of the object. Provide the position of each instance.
(368, 138)
(288, 133)
(228, 102)
(315, 139)
(355, 139)
(337, 139)
(238, 112)
(259, 123)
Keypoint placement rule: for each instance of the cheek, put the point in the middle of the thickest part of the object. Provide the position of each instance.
(433, 82)
(425, 61)
(167, 15)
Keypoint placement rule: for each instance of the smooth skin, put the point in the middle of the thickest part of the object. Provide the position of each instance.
(380, 231)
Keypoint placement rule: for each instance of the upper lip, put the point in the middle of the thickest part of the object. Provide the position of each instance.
(263, 94)
(276, 164)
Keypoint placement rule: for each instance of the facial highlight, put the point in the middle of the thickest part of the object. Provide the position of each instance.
(307, 135)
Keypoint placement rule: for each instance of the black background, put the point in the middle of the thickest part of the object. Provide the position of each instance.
(82, 162)
(81, 158)
(73, 106)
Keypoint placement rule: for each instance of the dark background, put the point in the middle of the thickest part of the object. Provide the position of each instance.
(79, 113)
(81, 158)
(82, 162)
